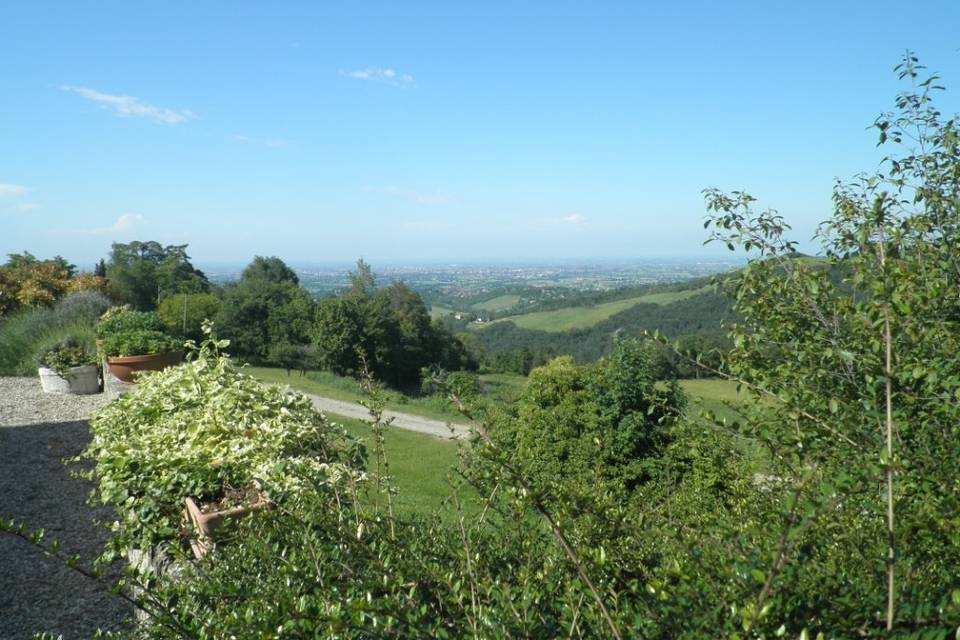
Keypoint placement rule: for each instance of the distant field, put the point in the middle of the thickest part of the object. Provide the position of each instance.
(502, 387)
(583, 317)
(500, 303)
(712, 394)
(437, 311)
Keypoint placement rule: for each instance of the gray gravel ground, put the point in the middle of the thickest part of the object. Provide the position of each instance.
(37, 431)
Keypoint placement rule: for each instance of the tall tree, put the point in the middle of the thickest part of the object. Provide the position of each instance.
(270, 268)
(362, 281)
(142, 273)
(414, 344)
(858, 383)
(264, 308)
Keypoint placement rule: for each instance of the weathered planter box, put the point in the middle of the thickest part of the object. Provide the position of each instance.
(205, 525)
(124, 368)
(76, 381)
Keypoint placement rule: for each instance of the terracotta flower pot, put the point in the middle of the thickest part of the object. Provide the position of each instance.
(124, 368)
(205, 524)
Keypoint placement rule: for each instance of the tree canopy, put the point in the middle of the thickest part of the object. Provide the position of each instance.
(266, 307)
(386, 331)
(141, 273)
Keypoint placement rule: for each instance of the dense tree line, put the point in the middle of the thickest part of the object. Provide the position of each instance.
(267, 307)
(271, 319)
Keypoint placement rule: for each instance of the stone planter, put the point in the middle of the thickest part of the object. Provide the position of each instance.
(124, 368)
(205, 524)
(76, 381)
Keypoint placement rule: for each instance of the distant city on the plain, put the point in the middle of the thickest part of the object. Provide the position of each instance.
(474, 277)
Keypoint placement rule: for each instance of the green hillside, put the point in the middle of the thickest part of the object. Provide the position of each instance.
(586, 316)
(438, 311)
(500, 303)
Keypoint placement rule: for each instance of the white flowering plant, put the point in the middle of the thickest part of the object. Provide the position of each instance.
(202, 429)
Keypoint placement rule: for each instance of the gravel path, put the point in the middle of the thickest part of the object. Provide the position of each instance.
(37, 431)
(400, 420)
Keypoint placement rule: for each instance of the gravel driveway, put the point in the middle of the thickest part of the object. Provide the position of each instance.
(37, 431)
(405, 421)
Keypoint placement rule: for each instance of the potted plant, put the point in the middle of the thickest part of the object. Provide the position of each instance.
(206, 517)
(123, 319)
(69, 367)
(131, 352)
(103, 324)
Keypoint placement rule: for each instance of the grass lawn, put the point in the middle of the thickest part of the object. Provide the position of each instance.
(500, 303)
(712, 394)
(329, 385)
(419, 464)
(502, 387)
(582, 317)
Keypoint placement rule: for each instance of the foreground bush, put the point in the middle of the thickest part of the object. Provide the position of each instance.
(202, 429)
(25, 335)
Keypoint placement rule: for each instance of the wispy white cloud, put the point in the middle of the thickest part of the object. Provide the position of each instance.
(131, 107)
(12, 190)
(10, 193)
(573, 219)
(273, 143)
(413, 195)
(385, 75)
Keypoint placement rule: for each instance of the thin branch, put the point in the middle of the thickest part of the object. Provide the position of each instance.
(768, 393)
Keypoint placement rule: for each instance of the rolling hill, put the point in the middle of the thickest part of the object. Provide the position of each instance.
(582, 317)
(697, 312)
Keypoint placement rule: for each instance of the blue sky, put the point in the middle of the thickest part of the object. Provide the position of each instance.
(437, 131)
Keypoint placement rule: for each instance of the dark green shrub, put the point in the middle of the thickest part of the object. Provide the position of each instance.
(288, 356)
